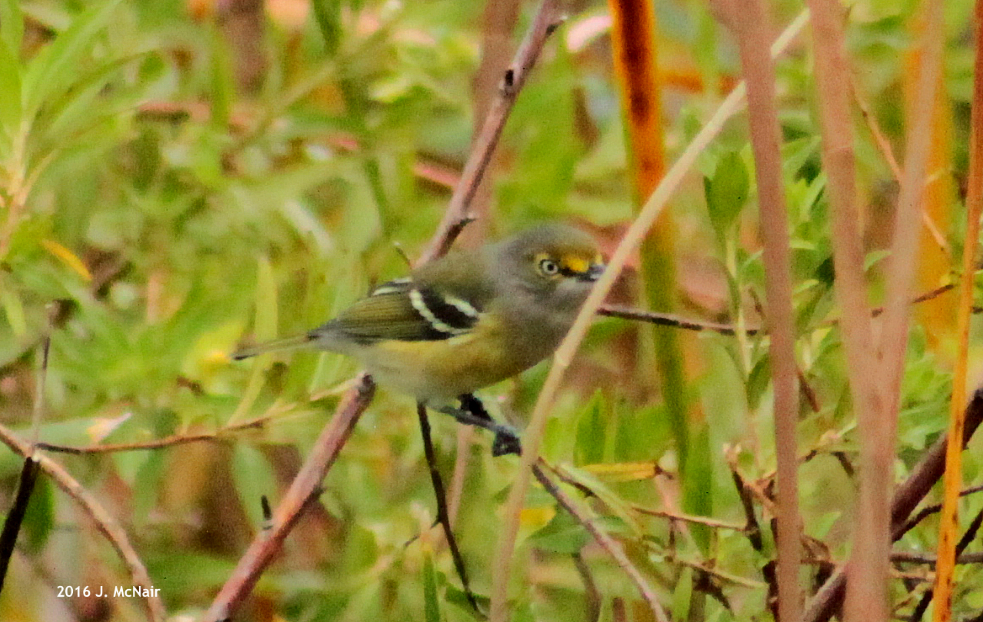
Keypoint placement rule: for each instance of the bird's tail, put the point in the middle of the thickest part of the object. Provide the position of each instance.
(287, 343)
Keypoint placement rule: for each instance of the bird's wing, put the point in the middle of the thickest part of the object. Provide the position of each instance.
(409, 309)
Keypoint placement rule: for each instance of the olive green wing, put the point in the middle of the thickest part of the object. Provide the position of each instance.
(408, 309)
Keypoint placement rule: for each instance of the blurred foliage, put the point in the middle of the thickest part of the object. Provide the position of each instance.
(157, 209)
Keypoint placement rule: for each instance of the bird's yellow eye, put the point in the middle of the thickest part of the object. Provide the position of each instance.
(549, 267)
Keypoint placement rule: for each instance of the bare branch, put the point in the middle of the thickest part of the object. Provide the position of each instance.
(303, 490)
(101, 518)
(907, 496)
(160, 443)
(457, 214)
(605, 541)
(561, 361)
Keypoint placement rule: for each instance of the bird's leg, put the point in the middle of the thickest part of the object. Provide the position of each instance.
(443, 516)
(505, 442)
(472, 412)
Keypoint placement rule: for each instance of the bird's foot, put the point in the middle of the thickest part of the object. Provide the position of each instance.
(472, 412)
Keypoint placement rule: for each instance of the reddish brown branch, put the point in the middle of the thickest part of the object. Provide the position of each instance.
(605, 541)
(160, 443)
(303, 490)
(101, 518)
(907, 496)
(457, 213)
(306, 485)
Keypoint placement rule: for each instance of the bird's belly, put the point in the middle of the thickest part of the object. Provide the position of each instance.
(440, 371)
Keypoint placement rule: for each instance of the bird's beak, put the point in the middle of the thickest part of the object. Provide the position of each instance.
(593, 273)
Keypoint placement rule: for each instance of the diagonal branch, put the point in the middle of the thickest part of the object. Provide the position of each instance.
(458, 215)
(827, 602)
(101, 518)
(604, 540)
(533, 435)
(306, 485)
(305, 489)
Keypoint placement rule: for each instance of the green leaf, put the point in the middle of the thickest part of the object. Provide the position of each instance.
(39, 519)
(431, 606)
(758, 381)
(563, 535)
(642, 433)
(254, 478)
(87, 104)
(727, 192)
(266, 300)
(456, 596)
(148, 480)
(223, 82)
(328, 16)
(265, 329)
(10, 102)
(13, 307)
(795, 154)
(874, 257)
(698, 484)
(682, 594)
(11, 27)
(53, 71)
(616, 503)
(591, 426)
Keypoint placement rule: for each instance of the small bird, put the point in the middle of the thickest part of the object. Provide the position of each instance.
(465, 321)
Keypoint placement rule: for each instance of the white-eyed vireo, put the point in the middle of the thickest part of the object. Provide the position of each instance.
(465, 321)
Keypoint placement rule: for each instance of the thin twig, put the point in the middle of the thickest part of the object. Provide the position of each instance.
(928, 510)
(465, 436)
(457, 214)
(15, 514)
(102, 519)
(907, 496)
(605, 541)
(592, 596)
(533, 435)
(305, 486)
(927, 597)
(669, 319)
(884, 145)
(29, 470)
(304, 489)
(752, 528)
(160, 443)
(687, 518)
(38, 410)
(929, 560)
(676, 321)
(723, 576)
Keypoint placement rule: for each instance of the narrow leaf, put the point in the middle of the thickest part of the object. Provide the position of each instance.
(11, 25)
(254, 478)
(328, 16)
(431, 606)
(10, 101)
(727, 192)
(53, 71)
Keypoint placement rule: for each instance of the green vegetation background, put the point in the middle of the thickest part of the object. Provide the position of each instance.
(156, 212)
